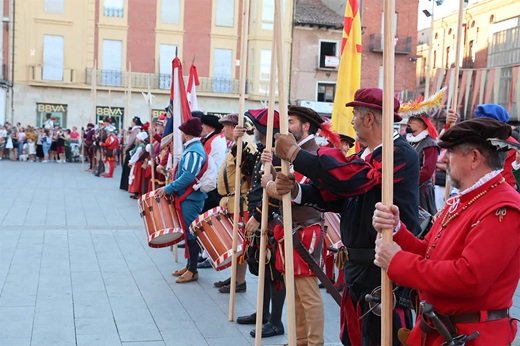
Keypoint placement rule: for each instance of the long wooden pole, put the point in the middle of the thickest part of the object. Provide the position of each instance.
(93, 94)
(82, 142)
(128, 109)
(151, 131)
(454, 102)
(430, 55)
(388, 160)
(265, 206)
(265, 200)
(286, 200)
(238, 171)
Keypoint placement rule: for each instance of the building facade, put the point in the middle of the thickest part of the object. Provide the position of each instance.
(317, 35)
(489, 65)
(84, 59)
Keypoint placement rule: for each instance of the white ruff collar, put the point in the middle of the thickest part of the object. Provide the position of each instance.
(453, 202)
(414, 139)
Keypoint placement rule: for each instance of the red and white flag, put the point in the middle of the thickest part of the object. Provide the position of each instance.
(193, 81)
(178, 111)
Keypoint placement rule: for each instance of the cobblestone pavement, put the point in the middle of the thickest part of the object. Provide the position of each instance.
(75, 269)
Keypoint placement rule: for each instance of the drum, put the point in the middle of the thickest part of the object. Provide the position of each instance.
(332, 230)
(161, 220)
(214, 231)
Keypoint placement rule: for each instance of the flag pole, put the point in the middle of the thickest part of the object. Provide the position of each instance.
(151, 129)
(388, 160)
(93, 94)
(265, 198)
(456, 77)
(82, 140)
(286, 199)
(238, 170)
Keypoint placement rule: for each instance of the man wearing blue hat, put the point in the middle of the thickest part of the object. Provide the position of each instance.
(497, 112)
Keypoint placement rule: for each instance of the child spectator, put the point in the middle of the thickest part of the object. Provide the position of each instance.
(46, 145)
(31, 149)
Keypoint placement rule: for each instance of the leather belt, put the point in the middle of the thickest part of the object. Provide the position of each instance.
(481, 316)
(361, 256)
(470, 317)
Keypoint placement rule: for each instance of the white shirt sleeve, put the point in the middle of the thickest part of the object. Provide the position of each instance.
(218, 150)
(135, 157)
(298, 198)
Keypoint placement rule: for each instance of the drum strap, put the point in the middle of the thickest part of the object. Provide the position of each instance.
(307, 257)
(190, 189)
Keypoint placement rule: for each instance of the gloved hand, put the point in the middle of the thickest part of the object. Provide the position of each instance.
(285, 184)
(286, 147)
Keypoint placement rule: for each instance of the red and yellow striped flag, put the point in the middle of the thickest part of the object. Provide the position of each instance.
(349, 73)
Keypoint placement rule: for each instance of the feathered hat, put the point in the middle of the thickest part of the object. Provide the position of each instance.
(421, 109)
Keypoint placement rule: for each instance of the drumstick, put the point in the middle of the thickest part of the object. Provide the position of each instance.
(286, 200)
(238, 171)
(265, 199)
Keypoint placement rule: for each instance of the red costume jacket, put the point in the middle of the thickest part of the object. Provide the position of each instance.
(472, 265)
(111, 143)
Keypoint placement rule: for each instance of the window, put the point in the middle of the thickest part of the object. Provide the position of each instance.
(434, 59)
(222, 69)
(113, 8)
(53, 6)
(447, 65)
(326, 92)
(225, 12)
(52, 58)
(267, 14)
(329, 52)
(166, 55)
(170, 11)
(504, 44)
(112, 63)
(265, 70)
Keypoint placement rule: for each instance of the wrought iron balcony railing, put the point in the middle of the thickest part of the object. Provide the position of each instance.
(110, 78)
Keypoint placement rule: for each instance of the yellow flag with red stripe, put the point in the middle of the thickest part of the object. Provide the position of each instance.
(349, 72)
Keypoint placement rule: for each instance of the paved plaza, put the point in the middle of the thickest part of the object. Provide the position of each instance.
(75, 269)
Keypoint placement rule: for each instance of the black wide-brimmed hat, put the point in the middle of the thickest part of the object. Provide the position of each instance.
(213, 121)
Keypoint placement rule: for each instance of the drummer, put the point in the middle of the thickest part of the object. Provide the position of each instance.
(191, 201)
(226, 188)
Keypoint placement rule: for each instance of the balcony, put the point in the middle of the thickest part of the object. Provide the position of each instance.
(37, 73)
(403, 44)
(156, 81)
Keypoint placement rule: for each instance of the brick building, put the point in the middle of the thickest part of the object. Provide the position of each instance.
(317, 35)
